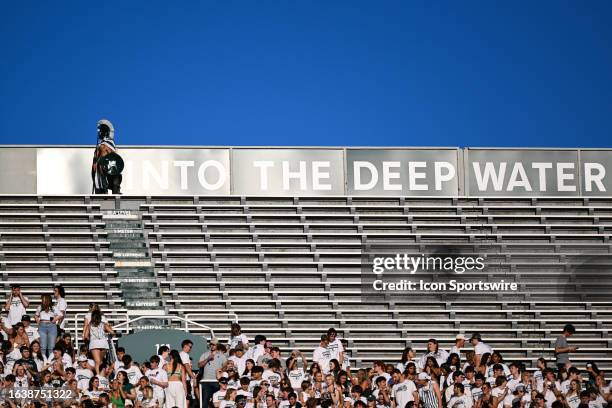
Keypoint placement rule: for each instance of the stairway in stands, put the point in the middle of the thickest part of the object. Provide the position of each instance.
(135, 271)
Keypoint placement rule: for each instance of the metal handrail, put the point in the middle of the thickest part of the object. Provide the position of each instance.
(230, 312)
(167, 317)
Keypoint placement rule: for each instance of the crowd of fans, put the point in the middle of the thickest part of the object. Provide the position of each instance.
(244, 373)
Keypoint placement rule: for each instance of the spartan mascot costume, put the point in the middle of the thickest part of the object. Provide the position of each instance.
(107, 164)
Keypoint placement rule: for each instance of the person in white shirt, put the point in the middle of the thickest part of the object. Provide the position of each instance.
(236, 337)
(59, 305)
(295, 373)
(239, 359)
(572, 374)
(83, 373)
(30, 330)
(572, 396)
(158, 379)
(258, 349)
(219, 396)
(515, 376)
(186, 346)
(16, 305)
(551, 388)
(273, 374)
(502, 397)
(378, 370)
(131, 369)
(459, 398)
(459, 344)
(103, 376)
(408, 356)
(403, 392)
(118, 364)
(336, 351)
(163, 352)
(321, 354)
(46, 318)
(480, 348)
(458, 377)
(433, 350)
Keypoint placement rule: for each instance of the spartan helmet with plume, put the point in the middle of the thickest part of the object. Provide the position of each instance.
(106, 131)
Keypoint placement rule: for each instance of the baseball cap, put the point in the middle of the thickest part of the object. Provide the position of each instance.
(460, 337)
(423, 376)
(518, 389)
(26, 318)
(82, 358)
(214, 340)
(476, 336)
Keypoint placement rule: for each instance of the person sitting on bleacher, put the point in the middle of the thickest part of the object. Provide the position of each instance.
(433, 350)
(30, 331)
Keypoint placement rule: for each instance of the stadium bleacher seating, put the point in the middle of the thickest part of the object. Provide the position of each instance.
(290, 268)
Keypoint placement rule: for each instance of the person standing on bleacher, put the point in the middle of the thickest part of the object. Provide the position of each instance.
(16, 305)
(562, 348)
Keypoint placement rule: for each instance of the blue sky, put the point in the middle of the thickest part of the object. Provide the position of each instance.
(354, 73)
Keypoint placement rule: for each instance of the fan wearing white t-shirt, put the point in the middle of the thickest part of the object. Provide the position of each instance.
(378, 371)
(334, 345)
(296, 374)
(403, 392)
(321, 354)
(83, 373)
(502, 397)
(480, 348)
(131, 369)
(59, 305)
(257, 351)
(239, 359)
(459, 399)
(236, 337)
(158, 378)
(16, 305)
(458, 378)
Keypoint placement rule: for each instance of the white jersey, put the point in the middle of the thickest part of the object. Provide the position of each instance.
(32, 333)
(83, 375)
(239, 339)
(482, 348)
(60, 307)
(159, 375)
(16, 310)
(239, 363)
(507, 396)
(321, 356)
(335, 348)
(133, 374)
(460, 402)
(402, 393)
(296, 377)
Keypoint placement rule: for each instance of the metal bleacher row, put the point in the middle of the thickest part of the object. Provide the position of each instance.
(290, 268)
